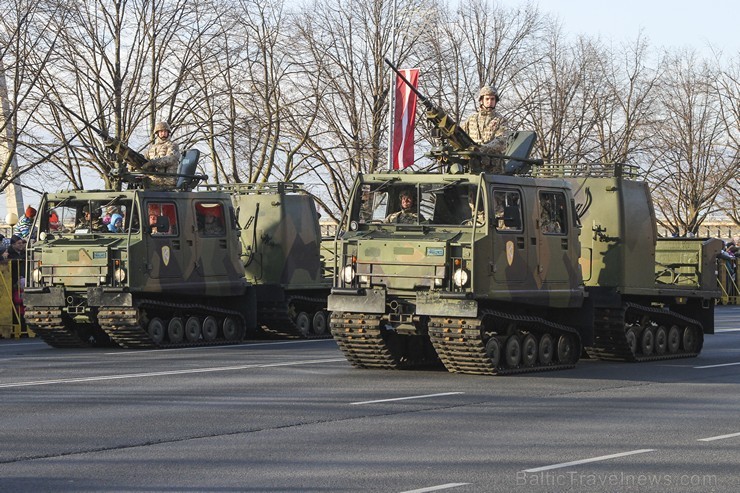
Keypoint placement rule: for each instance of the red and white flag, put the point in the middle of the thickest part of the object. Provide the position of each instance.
(404, 119)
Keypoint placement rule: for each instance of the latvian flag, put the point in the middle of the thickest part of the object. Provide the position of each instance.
(404, 119)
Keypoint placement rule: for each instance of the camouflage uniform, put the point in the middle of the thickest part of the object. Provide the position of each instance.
(403, 217)
(164, 157)
(489, 130)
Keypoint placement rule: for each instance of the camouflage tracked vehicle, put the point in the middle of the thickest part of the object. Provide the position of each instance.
(169, 276)
(284, 257)
(503, 290)
(485, 274)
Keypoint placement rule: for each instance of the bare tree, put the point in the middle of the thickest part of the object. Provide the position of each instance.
(690, 160)
(557, 98)
(343, 45)
(624, 109)
(27, 43)
(728, 95)
(496, 43)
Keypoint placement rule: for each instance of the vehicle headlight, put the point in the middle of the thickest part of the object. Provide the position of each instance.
(37, 276)
(438, 282)
(119, 274)
(348, 274)
(460, 277)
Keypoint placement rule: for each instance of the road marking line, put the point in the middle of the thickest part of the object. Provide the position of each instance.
(404, 398)
(726, 330)
(717, 366)
(242, 345)
(586, 461)
(436, 488)
(720, 437)
(164, 373)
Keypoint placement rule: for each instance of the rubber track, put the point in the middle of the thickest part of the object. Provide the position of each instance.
(123, 326)
(275, 319)
(460, 345)
(48, 324)
(360, 339)
(610, 336)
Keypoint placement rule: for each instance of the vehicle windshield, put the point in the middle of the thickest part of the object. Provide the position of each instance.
(444, 204)
(76, 216)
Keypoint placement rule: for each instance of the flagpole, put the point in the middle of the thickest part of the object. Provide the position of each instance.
(392, 91)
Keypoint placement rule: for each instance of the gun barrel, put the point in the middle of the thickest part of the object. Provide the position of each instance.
(92, 127)
(122, 152)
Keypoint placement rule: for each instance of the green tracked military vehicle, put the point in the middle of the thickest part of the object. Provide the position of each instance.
(169, 275)
(284, 257)
(523, 283)
(496, 269)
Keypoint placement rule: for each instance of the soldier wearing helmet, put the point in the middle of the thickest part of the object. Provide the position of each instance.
(163, 156)
(486, 127)
(408, 213)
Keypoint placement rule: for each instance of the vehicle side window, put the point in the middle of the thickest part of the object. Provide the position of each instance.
(552, 213)
(210, 217)
(373, 205)
(159, 210)
(507, 211)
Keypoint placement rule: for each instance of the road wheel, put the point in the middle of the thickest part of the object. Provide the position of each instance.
(493, 351)
(156, 330)
(565, 349)
(319, 323)
(176, 330)
(513, 351)
(689, 339)
(192, 329)
(546, 350)
(232, 329)
(647, 341)
(674, 339)
(661, 341)
(303, 322)
(631, 337)
(210, 328)
(529, 350)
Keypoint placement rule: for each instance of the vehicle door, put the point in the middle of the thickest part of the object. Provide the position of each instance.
(166, 256)
(510, 262)
(553, 239)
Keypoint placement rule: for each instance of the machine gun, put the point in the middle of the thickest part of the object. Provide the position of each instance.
(459, 152)
(121, 153)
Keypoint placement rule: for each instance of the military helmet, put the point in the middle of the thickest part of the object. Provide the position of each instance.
(488, 91)
(162, 126)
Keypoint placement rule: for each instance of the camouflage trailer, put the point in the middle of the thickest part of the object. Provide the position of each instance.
(284, 257)
(163, 271)
(653, 297)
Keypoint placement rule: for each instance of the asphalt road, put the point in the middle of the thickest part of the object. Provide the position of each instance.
(295, 416)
